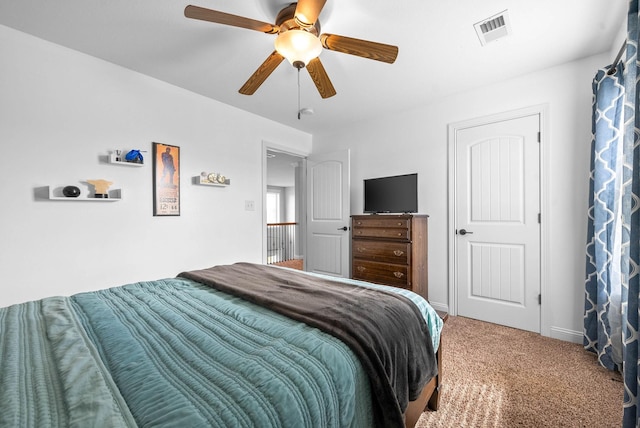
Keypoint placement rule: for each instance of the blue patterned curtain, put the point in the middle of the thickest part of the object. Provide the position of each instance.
(603, 306)
(613, 248)
(631, 222)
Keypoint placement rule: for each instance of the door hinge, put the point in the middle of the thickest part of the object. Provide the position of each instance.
(539, 299)
(539, 137)
(539, 218)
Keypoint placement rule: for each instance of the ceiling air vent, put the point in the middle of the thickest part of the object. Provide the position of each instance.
(493, 28)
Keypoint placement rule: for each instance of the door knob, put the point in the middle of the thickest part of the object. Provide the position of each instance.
(464, 232)
(345, 228)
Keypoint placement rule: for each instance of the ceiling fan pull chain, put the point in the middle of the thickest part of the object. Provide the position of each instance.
(298, 93)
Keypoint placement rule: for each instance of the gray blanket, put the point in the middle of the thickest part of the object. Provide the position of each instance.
(385, 330)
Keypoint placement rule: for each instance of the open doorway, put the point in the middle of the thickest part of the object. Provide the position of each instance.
(284, 209)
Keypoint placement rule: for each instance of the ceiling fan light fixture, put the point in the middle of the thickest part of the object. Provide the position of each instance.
(298, 46)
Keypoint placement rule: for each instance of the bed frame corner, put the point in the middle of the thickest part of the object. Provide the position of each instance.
(430, 396)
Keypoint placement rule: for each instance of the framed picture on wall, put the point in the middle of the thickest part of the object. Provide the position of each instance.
(166, 180)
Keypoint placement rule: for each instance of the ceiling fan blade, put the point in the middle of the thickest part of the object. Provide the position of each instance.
(363, 48)
(261, 74)
(320, 78)
(203, 14)
(307, 11)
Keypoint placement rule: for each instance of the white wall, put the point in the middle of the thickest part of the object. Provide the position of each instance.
(416, 141)
(61, 112)
(290, 204)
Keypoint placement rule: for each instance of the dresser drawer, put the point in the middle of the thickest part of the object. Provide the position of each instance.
(388, 252)
(378, 232)
(382, 221)
(381, 273)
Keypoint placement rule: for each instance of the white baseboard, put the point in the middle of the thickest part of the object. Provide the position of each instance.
(566, 335)
(439, 306)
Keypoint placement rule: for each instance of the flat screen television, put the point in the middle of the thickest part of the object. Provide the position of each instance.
(397, 194)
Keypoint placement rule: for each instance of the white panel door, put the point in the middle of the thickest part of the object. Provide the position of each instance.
(328, 212)
(497, 222)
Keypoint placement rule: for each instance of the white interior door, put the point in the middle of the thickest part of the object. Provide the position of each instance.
(497, 222)
(328, 214)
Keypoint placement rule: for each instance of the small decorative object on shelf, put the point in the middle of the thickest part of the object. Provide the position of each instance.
(127, 157)
(101, 188)
(71, 191)
(212, 179)
(134, 156)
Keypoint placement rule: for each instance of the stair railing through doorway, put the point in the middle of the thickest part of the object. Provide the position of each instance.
(281, 242)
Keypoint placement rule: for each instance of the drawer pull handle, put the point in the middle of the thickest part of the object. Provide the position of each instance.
(361, 268)
(398, 252)
(398, 274)
(361, 250)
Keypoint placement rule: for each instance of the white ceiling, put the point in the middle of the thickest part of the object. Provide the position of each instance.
(439, 52)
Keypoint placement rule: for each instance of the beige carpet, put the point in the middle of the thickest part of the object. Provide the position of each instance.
(502, 377)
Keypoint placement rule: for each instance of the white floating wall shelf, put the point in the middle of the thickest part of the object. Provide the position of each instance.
(200, 180)
(55, 194)
(113, 159)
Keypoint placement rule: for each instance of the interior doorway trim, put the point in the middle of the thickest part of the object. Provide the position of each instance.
(452, 129)
(270, 146)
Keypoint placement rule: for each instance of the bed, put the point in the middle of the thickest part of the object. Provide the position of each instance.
(229, 346)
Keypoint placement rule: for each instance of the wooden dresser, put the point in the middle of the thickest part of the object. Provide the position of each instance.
(390, 250)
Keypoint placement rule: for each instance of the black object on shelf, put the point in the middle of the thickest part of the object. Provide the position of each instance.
(71, 191)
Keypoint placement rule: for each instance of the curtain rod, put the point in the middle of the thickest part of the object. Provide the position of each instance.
(615, 61)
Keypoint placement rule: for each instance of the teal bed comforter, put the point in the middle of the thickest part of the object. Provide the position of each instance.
(171, 353)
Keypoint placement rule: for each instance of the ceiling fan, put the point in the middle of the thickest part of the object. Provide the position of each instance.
(299, 40)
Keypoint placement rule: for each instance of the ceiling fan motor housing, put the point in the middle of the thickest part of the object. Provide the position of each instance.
(286, 21)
